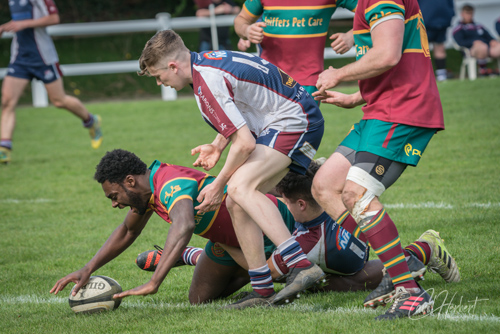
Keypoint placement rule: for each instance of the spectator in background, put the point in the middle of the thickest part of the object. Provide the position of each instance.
(497, 26)
(33, 55)
(437, 18)
(475, 37)
(222, 7)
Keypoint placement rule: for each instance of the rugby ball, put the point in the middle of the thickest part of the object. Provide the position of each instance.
(96, 296)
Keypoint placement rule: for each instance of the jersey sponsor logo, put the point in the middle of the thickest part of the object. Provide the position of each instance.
(299, 94)
(308, 150)
(343, 239)
(215, 55)
(198, 218)
(207, 104)
(410, 150)
(361, 50)
(286, 79)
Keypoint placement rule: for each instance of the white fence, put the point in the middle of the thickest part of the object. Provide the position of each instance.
(161, 22)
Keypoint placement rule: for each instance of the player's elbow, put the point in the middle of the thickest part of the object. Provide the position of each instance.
(55, 19)
(390, 59)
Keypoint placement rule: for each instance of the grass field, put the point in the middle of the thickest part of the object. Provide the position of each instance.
(54, 217)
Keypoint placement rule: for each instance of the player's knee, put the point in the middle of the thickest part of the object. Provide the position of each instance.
(320, 191)
(349, 198)
(58, 102)
(7, 103)
(236, 191)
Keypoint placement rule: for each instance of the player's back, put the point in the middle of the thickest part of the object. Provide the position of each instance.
(262, 93)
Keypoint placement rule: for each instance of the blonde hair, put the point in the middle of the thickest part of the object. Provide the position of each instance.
(165, 44)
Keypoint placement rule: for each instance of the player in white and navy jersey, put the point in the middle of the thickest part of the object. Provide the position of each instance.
(33, 56)
(273, 125)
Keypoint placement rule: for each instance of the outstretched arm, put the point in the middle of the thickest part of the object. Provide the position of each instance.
(15, 26)
(178, 237)
(121, 238)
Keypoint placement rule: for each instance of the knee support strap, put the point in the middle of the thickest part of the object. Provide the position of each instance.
(374, 188)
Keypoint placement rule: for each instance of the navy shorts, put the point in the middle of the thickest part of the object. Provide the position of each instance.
(45, 73)
(436, 35)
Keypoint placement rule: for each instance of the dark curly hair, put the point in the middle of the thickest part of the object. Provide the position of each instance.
(296, 186)
(117, 164)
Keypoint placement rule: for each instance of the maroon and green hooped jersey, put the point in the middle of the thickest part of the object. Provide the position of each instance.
(407, 93)
(172, 183)
(295, 36)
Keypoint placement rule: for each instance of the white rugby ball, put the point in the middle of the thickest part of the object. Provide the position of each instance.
(96, 296)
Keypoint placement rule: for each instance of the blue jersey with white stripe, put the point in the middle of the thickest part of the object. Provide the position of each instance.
(32, 46)
(234, 89)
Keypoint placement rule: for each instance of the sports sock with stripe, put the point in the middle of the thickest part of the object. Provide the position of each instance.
(421, 250)
(190, 255)
(292, 254)
(384, 238)
(261, 280)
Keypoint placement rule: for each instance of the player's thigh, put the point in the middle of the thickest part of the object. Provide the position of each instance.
(263, 170)
(210, 279)
(12, 89)
(55, 90)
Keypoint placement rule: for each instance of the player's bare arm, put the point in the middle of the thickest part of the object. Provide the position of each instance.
(209, 154)
(386, 52)
(342, 42)
(247, 27)
(243, 144)
(339, 99)
(15, 26)
(178, 237)
(121, 238)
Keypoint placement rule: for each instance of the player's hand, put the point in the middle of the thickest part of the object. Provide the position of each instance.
(149, 288)
(244, 44)
(327, 79)
(13, 26)
(342, 42)
(208, 158)
(79, 277)
(255, 32)
(336, 98)
(210, 197)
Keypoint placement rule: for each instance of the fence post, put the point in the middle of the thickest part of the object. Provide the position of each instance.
(167, 93)
(213, 27)
(39, 94)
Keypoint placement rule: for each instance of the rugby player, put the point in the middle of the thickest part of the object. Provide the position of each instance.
(402, 112)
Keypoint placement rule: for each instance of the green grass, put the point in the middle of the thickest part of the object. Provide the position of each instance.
(54, 217)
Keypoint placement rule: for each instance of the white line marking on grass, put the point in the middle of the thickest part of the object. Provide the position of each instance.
(153, 304)
(25, 201)
(446, 206)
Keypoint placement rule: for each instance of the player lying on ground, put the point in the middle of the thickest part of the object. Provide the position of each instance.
(336, 250)
(171, 191)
